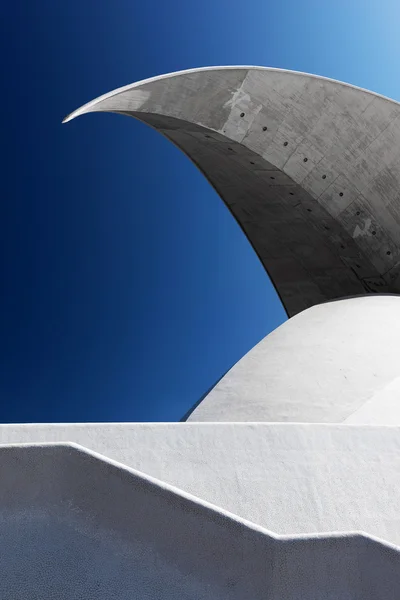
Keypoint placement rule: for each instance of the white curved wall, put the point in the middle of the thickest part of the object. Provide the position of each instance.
(327, 364)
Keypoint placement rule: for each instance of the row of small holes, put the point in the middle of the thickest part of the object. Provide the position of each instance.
(285, 144)
(305, 159)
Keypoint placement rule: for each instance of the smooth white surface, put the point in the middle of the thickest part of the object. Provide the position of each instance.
(335, 362)
(383, 408)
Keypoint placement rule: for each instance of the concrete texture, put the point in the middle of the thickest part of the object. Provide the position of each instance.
(335, 362)
(306, 165)
(76, 525)
(288, 478)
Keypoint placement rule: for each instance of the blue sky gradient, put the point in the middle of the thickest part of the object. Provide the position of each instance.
(127, 289)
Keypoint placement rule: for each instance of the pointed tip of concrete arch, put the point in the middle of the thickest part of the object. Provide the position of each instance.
(70, 117)
(88, 107)
(96, 102)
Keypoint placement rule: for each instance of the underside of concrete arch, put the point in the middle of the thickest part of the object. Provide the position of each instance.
(306, 165)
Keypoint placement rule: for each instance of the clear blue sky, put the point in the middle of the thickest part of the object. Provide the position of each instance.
(127, 289)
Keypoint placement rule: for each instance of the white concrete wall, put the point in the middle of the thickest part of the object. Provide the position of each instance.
(290, 479)
(74, 525)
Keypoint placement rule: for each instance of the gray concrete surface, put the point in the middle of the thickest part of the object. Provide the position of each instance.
(76, 525)
(335, 362)
(307, 166)
(289, 478)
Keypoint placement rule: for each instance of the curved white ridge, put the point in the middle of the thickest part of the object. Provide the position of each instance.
(329, 364)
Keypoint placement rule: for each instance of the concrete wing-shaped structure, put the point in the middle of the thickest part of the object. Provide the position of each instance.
(308, 167)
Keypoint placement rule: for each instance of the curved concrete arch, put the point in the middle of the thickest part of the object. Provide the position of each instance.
(306, 165)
